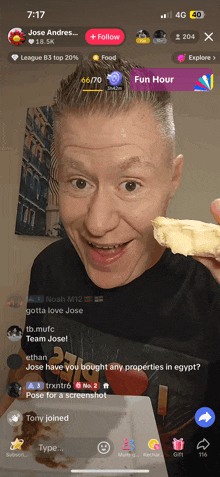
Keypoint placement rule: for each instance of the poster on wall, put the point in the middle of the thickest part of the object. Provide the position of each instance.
(37, 211)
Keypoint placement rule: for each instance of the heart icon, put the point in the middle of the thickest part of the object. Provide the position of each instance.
(126, 383)
(14, 57)
(31, 41)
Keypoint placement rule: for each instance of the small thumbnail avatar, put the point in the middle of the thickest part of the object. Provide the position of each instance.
(14, 333)
(14, 418)
(160, 37)
(143, 36)
(16, 36)
(14, 390)
(14, 301)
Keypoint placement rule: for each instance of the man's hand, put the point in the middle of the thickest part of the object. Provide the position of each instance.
(213, 264)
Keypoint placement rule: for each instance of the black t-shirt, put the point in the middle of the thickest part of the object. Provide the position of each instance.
(167, 317)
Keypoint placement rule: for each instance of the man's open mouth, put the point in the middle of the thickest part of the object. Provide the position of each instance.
(108, 252)
(107, 247)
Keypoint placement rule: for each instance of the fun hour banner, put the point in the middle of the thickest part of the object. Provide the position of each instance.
(171, 79)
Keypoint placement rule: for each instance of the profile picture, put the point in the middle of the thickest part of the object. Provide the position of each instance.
(142, 36)
(14, 361)
(14, 418)
(14, 333)
(14, 390)
(159, 36)
(14, 301)
(16, 36)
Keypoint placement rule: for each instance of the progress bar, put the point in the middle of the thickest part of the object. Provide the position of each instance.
(111, 471)
(92, 89)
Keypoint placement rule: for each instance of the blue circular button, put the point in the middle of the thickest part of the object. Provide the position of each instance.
(205, 417)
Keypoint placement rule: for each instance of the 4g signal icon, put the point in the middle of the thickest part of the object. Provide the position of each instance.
(166, 15)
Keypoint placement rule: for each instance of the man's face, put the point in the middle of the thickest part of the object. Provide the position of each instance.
(114, 179)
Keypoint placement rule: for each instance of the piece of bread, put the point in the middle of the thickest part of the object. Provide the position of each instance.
(188, 237)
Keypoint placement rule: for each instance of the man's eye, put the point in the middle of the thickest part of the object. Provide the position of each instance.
(130, 186)
(79, 183)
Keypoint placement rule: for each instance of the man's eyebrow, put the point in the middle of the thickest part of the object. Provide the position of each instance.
(126, 164)
(134, 160)
(75, 164)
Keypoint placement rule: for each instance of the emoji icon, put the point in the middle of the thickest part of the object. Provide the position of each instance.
(17, 444)
(103, 447)
(98, 299)
(88, 299)
(16, 36)
(152, 443)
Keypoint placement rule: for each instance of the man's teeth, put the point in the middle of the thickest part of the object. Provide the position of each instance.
(104, 247)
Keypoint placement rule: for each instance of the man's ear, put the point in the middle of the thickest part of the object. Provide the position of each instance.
(177, 169)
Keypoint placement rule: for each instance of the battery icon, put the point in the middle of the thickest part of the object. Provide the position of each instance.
(196, 14)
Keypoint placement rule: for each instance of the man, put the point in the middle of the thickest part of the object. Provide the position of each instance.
(140, 304)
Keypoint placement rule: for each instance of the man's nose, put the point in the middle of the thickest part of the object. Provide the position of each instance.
(102, 214)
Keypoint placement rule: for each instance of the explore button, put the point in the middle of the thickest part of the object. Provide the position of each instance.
(105, 36)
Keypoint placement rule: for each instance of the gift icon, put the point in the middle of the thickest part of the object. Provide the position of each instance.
(178, 444)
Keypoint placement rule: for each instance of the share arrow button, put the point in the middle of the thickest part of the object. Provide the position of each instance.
(204, 444)
(205, 417)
